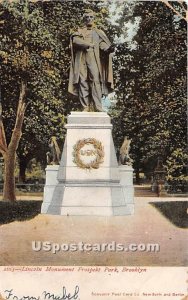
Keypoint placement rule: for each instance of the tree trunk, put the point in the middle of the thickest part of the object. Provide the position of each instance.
(9, 193)
(23, 166)
(9, 153)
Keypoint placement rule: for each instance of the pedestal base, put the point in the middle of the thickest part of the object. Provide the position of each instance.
(95, 191)
(51, 183)
(98, 200)
(126, 181)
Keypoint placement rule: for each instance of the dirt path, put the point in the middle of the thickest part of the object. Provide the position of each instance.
(147, 225)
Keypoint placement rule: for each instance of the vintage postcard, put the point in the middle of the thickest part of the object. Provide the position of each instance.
(93, 199)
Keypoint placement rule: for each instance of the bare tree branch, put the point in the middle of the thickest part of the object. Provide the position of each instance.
(17, 132)
(176, 12)
(181, 3)
(3, 143)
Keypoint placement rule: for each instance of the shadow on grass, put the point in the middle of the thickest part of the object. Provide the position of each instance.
(174, 211)
(18, 211)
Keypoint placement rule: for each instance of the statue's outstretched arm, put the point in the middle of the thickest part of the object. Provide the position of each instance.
(80, 43)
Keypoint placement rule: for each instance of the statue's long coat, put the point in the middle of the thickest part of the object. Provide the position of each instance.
(104, 62)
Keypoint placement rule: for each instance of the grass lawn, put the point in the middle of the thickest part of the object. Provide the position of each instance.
(174, 211)
(19, 210)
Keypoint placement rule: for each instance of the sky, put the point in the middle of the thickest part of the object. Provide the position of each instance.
(130, 28)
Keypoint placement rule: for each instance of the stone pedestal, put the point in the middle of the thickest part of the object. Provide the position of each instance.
(126, 181)
(51, 182)
(89, 191)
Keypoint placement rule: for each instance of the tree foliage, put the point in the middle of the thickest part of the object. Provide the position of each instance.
(149, 73)
(34, 53)
(151, 89)
(176, 166)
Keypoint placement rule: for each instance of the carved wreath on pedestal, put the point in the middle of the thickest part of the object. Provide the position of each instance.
(98, 152)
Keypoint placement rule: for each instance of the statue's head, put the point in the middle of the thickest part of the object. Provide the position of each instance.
(53, 139)
(89, 17)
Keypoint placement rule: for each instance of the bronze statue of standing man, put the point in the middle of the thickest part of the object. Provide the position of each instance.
(91, 74)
